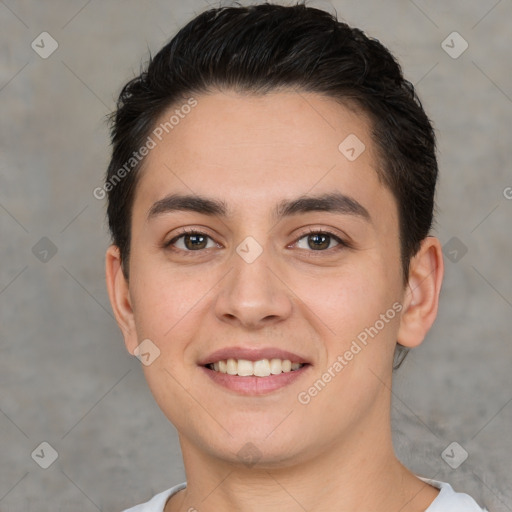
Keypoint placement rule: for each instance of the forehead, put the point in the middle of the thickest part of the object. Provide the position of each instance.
(256, 150)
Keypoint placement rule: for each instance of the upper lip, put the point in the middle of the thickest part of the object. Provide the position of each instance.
(251, 354)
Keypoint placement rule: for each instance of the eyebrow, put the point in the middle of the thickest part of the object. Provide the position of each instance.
(332, 203)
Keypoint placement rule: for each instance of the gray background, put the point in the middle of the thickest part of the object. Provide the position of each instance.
(65, 377)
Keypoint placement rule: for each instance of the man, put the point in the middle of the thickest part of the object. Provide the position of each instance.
(271, 194)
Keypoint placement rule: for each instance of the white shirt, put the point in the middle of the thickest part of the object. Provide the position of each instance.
(447, 500)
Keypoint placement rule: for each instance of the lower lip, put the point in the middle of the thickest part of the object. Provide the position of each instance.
(255, 385)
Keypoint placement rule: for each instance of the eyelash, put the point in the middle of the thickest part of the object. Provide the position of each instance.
(342, 244)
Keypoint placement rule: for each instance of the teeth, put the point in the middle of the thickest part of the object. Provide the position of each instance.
(245, 368)
(275, 366)
(261, 368)
(231, 367)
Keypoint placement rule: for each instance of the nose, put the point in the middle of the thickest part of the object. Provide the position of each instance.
(254, 295)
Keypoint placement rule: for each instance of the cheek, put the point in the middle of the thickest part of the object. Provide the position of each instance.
(357, 308)
(161, 300)
(170, 306)
(348, 299)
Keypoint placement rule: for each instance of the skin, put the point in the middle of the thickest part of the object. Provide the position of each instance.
(335, 453)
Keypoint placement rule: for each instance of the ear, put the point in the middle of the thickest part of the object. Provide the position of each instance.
(422, 293)
(119, 294)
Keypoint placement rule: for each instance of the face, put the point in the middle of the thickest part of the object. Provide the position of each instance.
(245, 268)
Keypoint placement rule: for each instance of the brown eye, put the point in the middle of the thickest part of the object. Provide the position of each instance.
(194, 242)
(319, 241)
(191, 241)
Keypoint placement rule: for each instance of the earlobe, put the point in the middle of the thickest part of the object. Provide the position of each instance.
(422, 293)
(119, 294)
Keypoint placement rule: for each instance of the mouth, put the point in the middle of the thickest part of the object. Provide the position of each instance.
(259, 368)
(251, 371)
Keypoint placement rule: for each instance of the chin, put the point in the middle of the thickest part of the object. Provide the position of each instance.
(256, 449)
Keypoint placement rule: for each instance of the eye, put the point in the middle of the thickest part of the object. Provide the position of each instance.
(320, 241)
(190, 241)
(196, 241)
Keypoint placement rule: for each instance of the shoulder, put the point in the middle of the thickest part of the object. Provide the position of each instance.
(157, 502)
(450, 501)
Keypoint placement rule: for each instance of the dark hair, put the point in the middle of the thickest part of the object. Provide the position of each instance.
(265, 48)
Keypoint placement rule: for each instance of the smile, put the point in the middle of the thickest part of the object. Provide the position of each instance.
(244, 379)
(260, 368)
